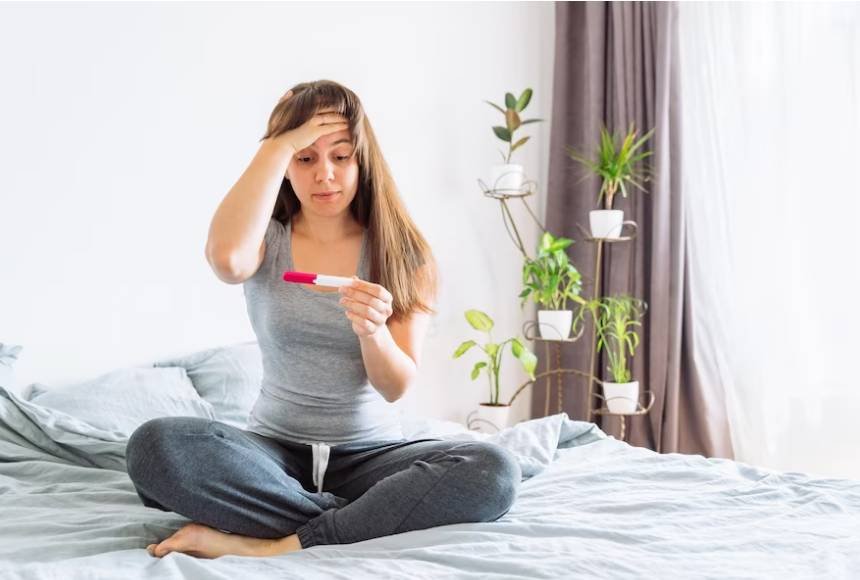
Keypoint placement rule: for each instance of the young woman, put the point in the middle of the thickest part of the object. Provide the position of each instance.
(323, 459)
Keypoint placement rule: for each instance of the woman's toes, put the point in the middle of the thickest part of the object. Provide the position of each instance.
(189, 539)
(158, 550)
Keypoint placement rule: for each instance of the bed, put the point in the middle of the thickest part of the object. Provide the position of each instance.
(589, 506)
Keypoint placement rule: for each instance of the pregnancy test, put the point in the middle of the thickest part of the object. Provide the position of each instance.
(318, 279)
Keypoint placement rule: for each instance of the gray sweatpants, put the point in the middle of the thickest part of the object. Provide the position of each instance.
(245, 483)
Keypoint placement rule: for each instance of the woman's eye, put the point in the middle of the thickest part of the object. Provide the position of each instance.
(304, 159)
(342, 157)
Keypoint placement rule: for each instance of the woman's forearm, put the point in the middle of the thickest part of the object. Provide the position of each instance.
(389, 369)
(240, 222)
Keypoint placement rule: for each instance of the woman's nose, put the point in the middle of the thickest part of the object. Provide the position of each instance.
(324, 171)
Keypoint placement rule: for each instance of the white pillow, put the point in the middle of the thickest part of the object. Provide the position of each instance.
(8, 356)
(228, 377)
(123, 399)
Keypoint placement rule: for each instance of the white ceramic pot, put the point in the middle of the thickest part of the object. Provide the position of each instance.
(490, 418)
(506, 178)
(606, 223)
(621, 397)
(555, 323)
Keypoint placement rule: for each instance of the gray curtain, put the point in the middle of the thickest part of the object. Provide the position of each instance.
(617, 63)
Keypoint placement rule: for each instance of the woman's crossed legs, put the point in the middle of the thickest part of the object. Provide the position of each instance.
(259, 489)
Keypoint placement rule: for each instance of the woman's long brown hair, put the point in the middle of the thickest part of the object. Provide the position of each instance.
(398, 251)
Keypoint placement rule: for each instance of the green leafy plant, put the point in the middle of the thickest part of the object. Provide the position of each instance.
(618, 163)
(513, 107)
(550, 279)
(616, 319)
(493, 351)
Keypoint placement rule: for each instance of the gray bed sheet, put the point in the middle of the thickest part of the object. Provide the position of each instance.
(591, 507)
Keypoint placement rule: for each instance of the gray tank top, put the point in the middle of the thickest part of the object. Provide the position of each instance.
(315, 387)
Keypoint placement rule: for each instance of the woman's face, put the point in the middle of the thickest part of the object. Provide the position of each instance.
(325, 175)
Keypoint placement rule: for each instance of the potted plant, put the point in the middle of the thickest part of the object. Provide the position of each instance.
(494, 411)
(508, 177)
(618, 164)
(551, 280)
(616, 319)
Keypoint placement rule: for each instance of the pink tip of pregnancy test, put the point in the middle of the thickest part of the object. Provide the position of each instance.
(299, 277)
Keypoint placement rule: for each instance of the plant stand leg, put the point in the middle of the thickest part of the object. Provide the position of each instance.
(548, 380)
(595, 294)
(559, 378)
(623, 426)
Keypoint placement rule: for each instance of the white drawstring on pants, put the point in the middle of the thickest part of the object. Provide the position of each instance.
(320, 453)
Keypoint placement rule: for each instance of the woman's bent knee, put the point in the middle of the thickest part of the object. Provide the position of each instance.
(499, 474)
(153, 440)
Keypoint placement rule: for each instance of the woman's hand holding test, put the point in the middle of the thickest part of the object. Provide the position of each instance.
(368, 306)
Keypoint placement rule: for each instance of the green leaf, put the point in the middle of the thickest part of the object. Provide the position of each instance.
(545, 242)
(529, 361)
(479, 320)
(477, 369)
(641, 141)
(501, 110)
(527, 121)
(512, 120)
(516, 347)
(461, 350)
(560, 244)
(510, 101)
(579, 158)
(519, 143)
(502, 133)
(492, 349)
(524, 99)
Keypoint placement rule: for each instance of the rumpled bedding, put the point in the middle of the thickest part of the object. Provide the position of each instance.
(590, 506)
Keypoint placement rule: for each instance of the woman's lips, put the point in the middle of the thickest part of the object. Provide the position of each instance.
(326, 196)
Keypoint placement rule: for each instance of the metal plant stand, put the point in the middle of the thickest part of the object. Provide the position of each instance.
(554, 374)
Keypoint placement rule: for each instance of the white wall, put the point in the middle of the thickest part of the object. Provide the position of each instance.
(123, 125)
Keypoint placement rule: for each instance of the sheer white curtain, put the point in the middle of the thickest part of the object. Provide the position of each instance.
(771, 150)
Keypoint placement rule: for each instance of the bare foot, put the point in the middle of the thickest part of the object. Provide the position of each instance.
(202, 541)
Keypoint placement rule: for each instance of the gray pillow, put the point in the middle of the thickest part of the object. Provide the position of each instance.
(8, 356)
(123, 399)
(228, 377)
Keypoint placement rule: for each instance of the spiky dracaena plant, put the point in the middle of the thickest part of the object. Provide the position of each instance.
(618, 163)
